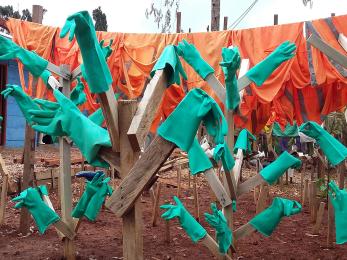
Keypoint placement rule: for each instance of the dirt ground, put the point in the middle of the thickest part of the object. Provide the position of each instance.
(103, 239)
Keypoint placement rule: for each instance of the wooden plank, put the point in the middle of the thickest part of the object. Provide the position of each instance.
(147, 109)
(132, 220)
(217, 87)
(305, 193)
(331, 225)
(28, 175)
(329, 51)
(140, 175)
(319, 219)
(109, 109)
(110, 157)
(313, 200)
(196, 199)
(250, 184)
(212, 246)
(320, 157)
(56, 70)
(244, 231)
(217, 187)
(155, 210)
(3, 198)
(75, 73)
(262, 202)
(179, 177)
(65, 179)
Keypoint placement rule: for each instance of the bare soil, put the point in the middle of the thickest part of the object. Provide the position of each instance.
(103, 239)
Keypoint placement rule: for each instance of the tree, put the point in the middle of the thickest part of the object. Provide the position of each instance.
(162, 13)
(100, 20)
(305, 2)
(7, 12)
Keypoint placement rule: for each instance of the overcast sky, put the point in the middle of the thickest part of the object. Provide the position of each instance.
(128, 15)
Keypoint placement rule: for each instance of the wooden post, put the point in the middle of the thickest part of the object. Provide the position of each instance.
(196, 199)
(341, 175)
(263, 198)
(37, 14)
(331, 225)
(178, 22)
(275, 19)
(179, 176)
(65, 178)
(225, 23)
(4, 187)
(215, 15)
(155, 209)
(319, 219)
(132, 220)
(28, 174)
(313, 200)
(305, 193)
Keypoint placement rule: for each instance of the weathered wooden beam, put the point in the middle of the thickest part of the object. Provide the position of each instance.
(109, 109)
(4, 188)
(320, 157)
(212, 245)
(329, 51)
(75, 73)
(244, 231)
(250, 184)
(147, 109)
(110, 157)
(65, 74)
(141, 173)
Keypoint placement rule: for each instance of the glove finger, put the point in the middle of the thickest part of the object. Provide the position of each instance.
(72, 31)
(111, 42)
(102, 43)
(96, 177)
(289, 49)
(65, 29)
(167, 206)
(46, 104)
(168, 215)
(42, 113)
(177, 200)
(106, 180)
(19, 205)
(41, 120)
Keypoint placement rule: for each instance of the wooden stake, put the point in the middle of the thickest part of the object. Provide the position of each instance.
(263, 199)
(155, 210)
(132, 220)
(313, 201)
(331, 225)
(305, 193)
(65, 180)
(196, 199)
(319, 219)
(4, 187)
(178, 22)
(211, 244)
(179, 175)
(244, 231)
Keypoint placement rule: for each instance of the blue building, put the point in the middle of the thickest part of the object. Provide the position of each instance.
(13, 125)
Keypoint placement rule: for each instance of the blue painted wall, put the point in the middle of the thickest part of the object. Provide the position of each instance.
(15, 122)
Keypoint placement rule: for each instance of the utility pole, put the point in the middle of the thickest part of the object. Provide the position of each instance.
(215, 15)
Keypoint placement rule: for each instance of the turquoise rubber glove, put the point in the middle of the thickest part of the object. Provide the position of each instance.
(24, 102)
(244, 141)
(45, 76)
(77, 95)
(339, 200)
(230, 64)
(234, 205)
(261, 71)
(192, 56)
(96, 73)
(31, 61)
(267, 221)
(170, 61)
(275, 169)
(289, 131)
(182, 124)
(69, 121)
(222, 152)
(106, 50)
(98, 117)
(220, 224)
(91, 189)
(198, 161)
(95, 204)
(332, 148)
(194, 230)
(31, 199)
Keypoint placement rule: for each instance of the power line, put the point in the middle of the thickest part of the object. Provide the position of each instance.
(242, 16)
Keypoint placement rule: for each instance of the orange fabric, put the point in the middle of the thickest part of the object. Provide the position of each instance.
(285, 97)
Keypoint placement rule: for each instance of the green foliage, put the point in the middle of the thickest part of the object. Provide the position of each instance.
(7, 12)
(100, 20)
(323, 187)
(162, 13)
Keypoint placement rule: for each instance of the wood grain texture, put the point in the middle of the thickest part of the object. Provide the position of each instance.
(250, 184)
(147, 109)
(111, 157)
(212, 245)
(243, 231)
(139, 176)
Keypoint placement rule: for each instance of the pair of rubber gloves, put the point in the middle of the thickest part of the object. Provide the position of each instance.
(182, 124)
(331, 147)
(193, 228)
(277, 168)
(97, 73)
(267, 221)
(338, 199)
(244, 141)
(42, 214)
(93, 197)
(35, 64)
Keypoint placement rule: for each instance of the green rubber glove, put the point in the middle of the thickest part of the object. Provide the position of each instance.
(194, 230)
(267, 221)
(98, 117)
(234, 205)
(277, 168)
(332, 148)
(230, 64)
(77, 95)
(289, 131)
(97, 73)
(69, 121)
(170, 61)
(339, 200)
(198, 160)
(1, 118)
(182, 124)
(223, 232)
(261, 71)
(31, 199)
(192, 56)
(45, 76)
(31, 61)
(24, 102)
(98, 199)
(244, 141)
(222, 152)
(106, 50)
(91, 189)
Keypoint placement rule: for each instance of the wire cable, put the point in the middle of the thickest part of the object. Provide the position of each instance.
(242, 16)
